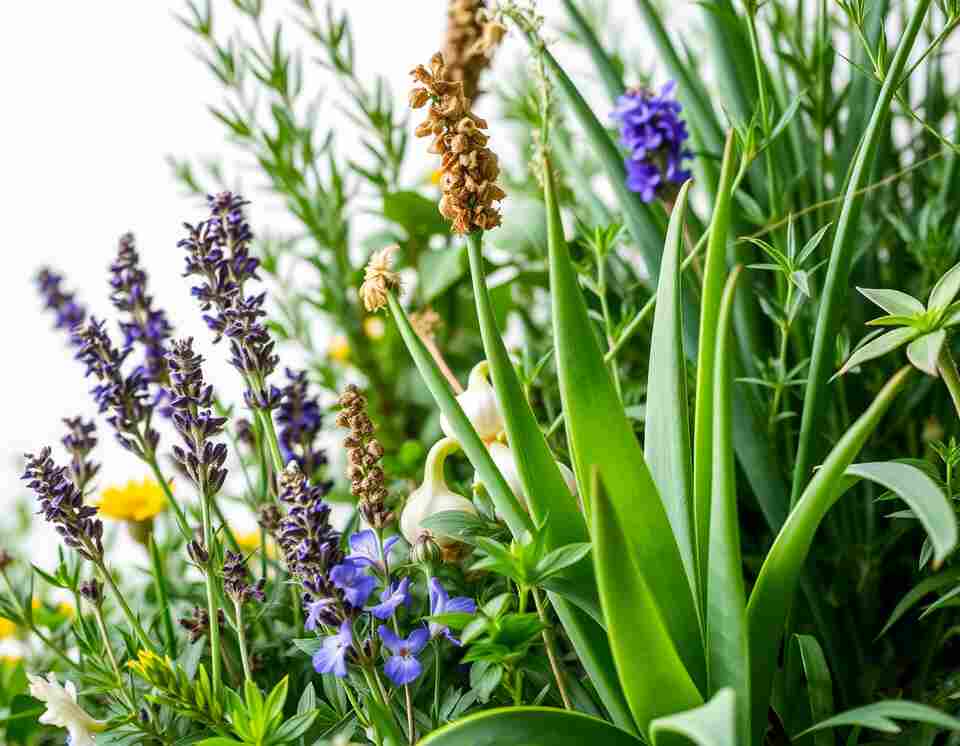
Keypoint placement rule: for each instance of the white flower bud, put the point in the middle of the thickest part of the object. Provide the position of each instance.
(433, 496)
(63, 710)
(479, 404)
(503, 457)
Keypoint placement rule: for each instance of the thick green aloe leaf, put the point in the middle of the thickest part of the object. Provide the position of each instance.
(715, 273)
(601, 436)
(507, 503)
(667, 432)
(711, 724)
(529, 726)
(654, 679)
(773, 593)
(881, 715)
(917, 593)
(845, 242)
(548, 497)
(728, 654)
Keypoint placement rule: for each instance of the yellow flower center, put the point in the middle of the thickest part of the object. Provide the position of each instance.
(135, 501)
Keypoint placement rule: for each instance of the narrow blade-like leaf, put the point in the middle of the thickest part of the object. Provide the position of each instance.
(711, 724)
(893, 302)
(917, 593)
(878, 346)
(946, 289)
(880, 716)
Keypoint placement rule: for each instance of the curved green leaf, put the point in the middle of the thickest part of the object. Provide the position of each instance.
(946, 289)
(894, 302)
(600, 435)
(916, 594)
(814, 700)
(609, 75)
(924, 352)
(654, 679)
(728, 653)
(879, 346)
(667, 424)
(711, 724)
(529, 726)
(773, 593)
(880, 716)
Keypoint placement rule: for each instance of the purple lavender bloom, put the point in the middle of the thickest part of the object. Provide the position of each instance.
(61, 504)
(68, 313)
(144, 325)
(365, 549)
(316, 613)
(391, 599)
(332, 655)
(652, 130)
(441, 603)
(356, 585)
(80, 440)
(403, 667)
(236, 580)
(300, 421)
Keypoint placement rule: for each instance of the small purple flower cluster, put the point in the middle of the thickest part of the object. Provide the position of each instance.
(144, 324)
(68, 313)
(300, 422)
(61, 503)
(124, 396)
(80, 440)
(236, 580)
(218, 251)
(652, 130)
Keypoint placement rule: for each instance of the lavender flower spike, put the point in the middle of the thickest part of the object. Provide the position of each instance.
(403, 666)
(300, 421)
(67, 311)
(236, 580)
(332, 656)
(651, 129)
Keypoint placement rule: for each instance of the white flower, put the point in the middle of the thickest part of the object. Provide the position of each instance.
(433, 496)
(479, 404)
(506, 462)
(63, 710)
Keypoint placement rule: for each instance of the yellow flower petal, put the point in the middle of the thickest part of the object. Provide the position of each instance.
(339, 349)
(7, 628)
(135, 501)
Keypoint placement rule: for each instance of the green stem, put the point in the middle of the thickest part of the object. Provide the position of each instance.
(151, 459)
(267, 420)
(57, 650)
(159, 579)
(98, 615)
(212, 603)
(948, 369)
(122, 603)
(548, 643)
(242, 640)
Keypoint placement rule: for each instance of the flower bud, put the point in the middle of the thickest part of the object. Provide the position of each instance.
(506, 462)
(426, 551)
(479, 404)
(433, 496)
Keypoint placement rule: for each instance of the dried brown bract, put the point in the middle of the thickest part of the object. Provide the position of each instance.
(426, 323)
(469, 169)
(468, 43)
(364, 451)
(379, 279)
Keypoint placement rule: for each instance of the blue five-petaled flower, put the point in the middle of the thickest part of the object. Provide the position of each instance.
(349, 577)
(441, 603)
(403, 666)
(365, 549)
(332, 655)
(391, 599)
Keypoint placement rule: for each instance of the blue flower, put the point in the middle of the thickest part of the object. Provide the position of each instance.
(365, 549)
(356, 585)
(441, 603)
(651, 129)
(392, 597)
(332, 656)
(403, 667)
(314, 611)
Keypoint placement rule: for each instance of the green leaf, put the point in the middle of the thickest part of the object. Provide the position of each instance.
(946, 289)
(293, 728)
(418, 215)
(653, 676)
(924, 352)
(667, 433)
(219, 741)
(893, 302)
(440, 270)
(924, 496)
(273, 708)
(600, 435)
(776, 585)
(529, 726)
(384, 723)
(845, 241)
(877, 347)
(609, 75)
(880, 716)
(916, 594)
(711, 724)
(818, 702)
(728, 653)
(560, 559)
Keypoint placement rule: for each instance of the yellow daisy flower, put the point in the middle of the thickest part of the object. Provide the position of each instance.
(10, 660)
(7, 628)
(135, 501)
(339, 349)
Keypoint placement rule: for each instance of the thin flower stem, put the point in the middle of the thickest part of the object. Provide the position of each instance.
(122, 602)
(242, 640)
(57, 650)
(212, 605)
(274, 445)
(411, 732)
(551, 652)
(98, 615)
(160, 582)
(436, 683)
(948, 369)
(151, 459)
(431, 346)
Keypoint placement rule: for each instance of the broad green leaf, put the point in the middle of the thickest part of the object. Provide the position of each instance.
(715, 273)
(946, 289)
(924, 496)
(845, 241)
(600, 435)
(440, 270)
(293, 728)
(654, 679)
(507, 503)
(711, 724)
(916, 594)
(819, 686)
(384, 723)
(776, 585)
(893, 302)
(667, 431)
(881, 715)
(417, 214)
(877, 347)
(529, 726)
(924, 352)
(547, 494)
(728, 653)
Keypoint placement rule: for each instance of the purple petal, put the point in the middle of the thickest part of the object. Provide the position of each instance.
(392, 642)
(364, 548)
(418, 639)
(461, 605)
(402, 669)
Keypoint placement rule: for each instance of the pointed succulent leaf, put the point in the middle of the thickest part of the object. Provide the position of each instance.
(946, 289)
(924, 352)
(878, 347)
(893, 301)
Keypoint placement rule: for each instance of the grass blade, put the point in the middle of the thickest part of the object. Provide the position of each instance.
(609, 75)
(880, 716)
(773, 593)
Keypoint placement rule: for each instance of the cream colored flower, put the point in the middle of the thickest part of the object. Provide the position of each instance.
(506, 462)
(433, 496)
(378, 279)
(479, 404)
(63, 710)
